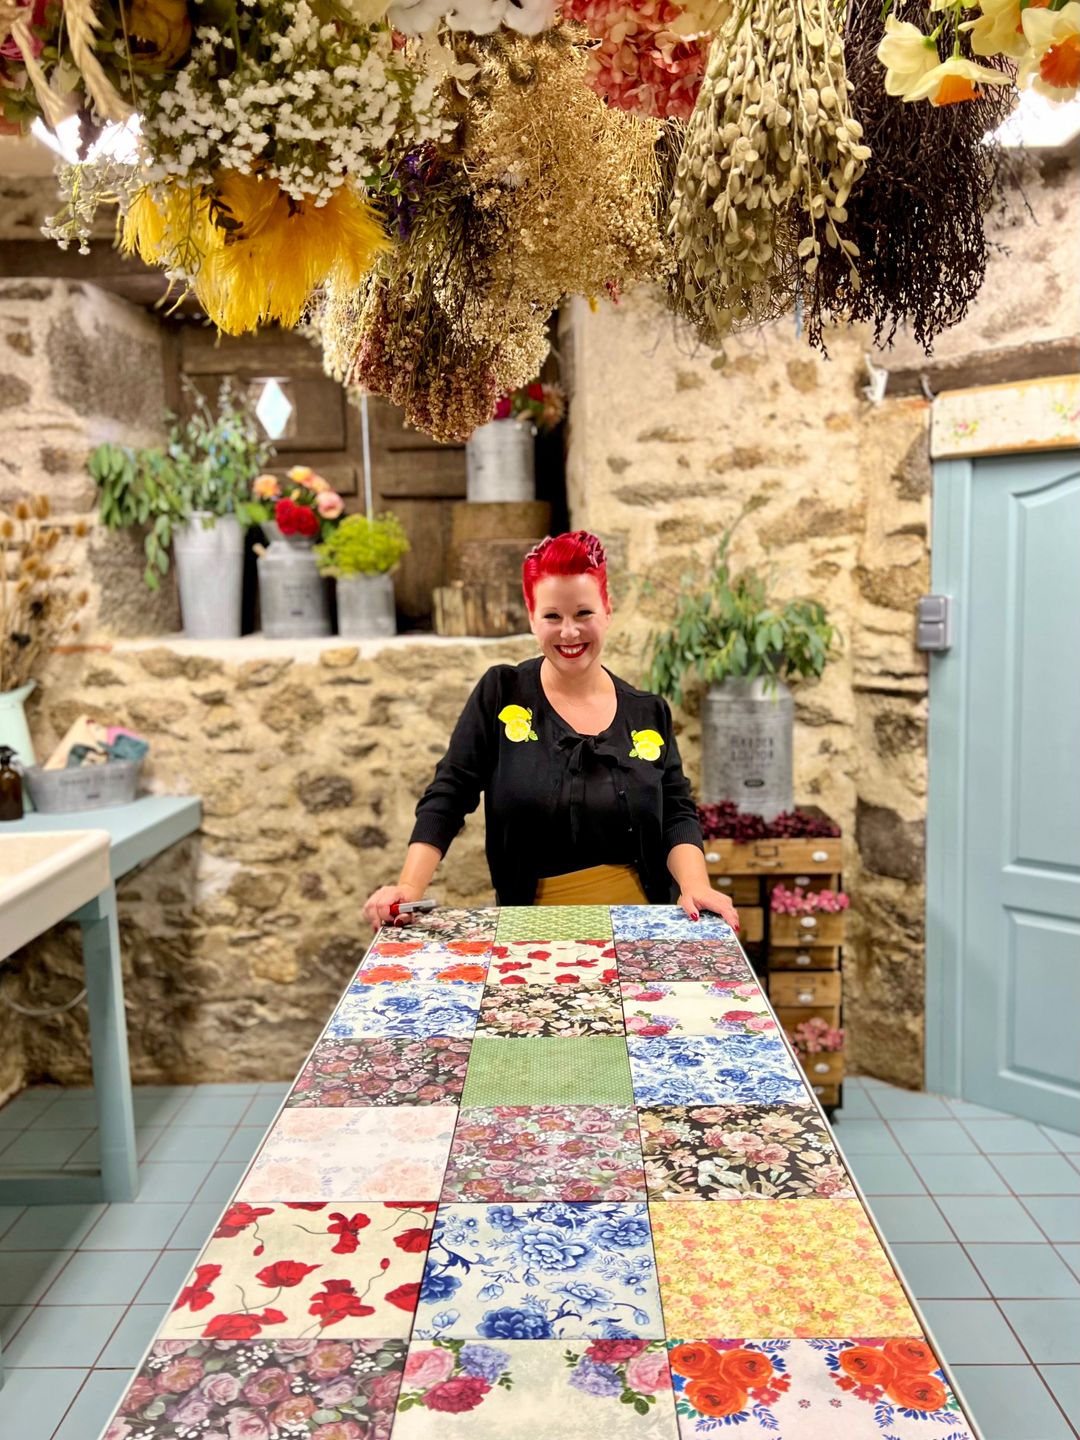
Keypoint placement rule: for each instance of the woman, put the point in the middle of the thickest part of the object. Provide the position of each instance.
(585, 800)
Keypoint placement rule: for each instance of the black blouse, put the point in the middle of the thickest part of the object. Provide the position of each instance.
(554, 800)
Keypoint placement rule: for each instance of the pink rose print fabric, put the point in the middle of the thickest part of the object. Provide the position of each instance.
(559, 962)
(696, 1007)
(303, 1271)
(397, 1070)
(440, 926)
(681, 960)
(532, 1010)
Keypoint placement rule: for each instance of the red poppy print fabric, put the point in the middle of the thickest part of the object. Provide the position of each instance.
(562, 962)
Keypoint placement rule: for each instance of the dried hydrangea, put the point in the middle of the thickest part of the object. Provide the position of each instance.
(645, 60)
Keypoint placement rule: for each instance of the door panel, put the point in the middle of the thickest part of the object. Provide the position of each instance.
(1020, 964)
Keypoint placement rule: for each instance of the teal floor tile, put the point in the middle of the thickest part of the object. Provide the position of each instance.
(129, 1340)
(886, 1175)
(1071, 1255)
(86, 1281)
(972, 1332)
(988, 1217)
(1018, 1272)
(203, 1109)
(33, 1402)
(1064, 1381)
(910, 1217)
(939, 1272)
(1008, 1137)
(280, 1088)
(910, 1105)
(41, 1147)
(75, 1111)
(243, 1143)
(143, 1226)
(1062, 1139)
(163, 1283)
(182, 1091)
(1058, 1216)
(262, 1110)
(932, 1137)
(25, 1275)
(166, 1180)
(1039, 1174)
(89, 1152)
(160, 1107)
(1048, 1329)
(222, 1180)
(1010, 1402)
(189, 1142)
(52, 1227)
(8, 1215)
(197, 1226)
(92, 1407)
(24, 1109)
(73, 1334)
(11, 1317)
(967, 1110)
(857, 1105)
(959, 1175)
(865, 1137)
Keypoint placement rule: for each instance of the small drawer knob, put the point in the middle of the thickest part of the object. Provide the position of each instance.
(712, 856)
(821, 1068)
(802, 959)
(806, 997)
(802, 879)
(819, 855)
(809, 922)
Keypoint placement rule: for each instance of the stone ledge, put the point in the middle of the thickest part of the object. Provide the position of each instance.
(257, 647)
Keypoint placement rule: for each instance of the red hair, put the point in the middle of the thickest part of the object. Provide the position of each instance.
(575, 553)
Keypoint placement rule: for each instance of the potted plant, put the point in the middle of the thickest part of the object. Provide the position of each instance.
(294, 599)
(729, 634)
(191, 495)
(38, 610)
(361, 554)
(499, 459)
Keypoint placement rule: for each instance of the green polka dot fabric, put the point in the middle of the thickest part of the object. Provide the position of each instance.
(553, 922)
(552, 1070)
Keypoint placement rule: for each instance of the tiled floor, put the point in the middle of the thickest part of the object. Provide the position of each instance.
(982, 1212)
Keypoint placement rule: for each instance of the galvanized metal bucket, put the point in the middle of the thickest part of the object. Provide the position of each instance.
(746, 746)
(294, 599)
(210, 572)
(365, 606)
(84, 787)
(500, 462)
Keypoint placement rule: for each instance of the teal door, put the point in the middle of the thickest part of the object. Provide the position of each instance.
(1003, 881)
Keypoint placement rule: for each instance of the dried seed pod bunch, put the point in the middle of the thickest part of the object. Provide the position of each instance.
(38, 607)
(772, 152)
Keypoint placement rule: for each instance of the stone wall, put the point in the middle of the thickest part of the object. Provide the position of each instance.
(237, 942)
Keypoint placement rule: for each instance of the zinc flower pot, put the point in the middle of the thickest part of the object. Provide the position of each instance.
(365, 606)
(14, 731)
(294, 599)
(500, 462)
(210, 574)
(746, 746)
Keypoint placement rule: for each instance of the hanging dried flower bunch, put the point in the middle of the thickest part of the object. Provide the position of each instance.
(922, 243)
(38, 607)
(772, 153)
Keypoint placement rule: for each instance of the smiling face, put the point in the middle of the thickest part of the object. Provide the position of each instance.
(570, 621)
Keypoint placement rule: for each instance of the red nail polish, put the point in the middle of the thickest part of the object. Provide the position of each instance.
(694, 915)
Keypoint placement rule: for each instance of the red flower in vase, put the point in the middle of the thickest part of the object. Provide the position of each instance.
(307, 522)
(285, 512)
(502, 408)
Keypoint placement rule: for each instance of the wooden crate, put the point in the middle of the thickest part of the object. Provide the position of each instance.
(814, 957)
(826, 1069)
(499, 520)
(814, 987)
(751, 924)
(778, 857)
(479, 610)
(804, 930)
(792, 1015)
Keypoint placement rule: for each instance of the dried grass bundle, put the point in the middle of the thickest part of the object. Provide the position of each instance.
(38, 607)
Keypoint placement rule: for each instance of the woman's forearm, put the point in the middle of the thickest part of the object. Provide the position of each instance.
(687, 866)
(421, 862)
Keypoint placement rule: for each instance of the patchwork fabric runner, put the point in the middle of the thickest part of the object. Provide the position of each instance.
(548, 1172)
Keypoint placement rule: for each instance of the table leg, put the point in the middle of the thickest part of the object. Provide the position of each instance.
(109, 1047)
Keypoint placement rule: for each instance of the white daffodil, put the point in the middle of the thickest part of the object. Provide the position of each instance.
(956, 80)
(907, 55)
(997, 31)
(1052, 63)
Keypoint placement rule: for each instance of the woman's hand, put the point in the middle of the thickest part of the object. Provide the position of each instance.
(714, 900)
(377, 906)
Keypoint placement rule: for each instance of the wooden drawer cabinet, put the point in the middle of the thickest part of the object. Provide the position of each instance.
(743, 889)
(792, 1015)
(803, 930)
(775, 857)
(826, 1069)
(751, 924)
(804, 883)
(828, 1095)
(814, 957)
(816, 987)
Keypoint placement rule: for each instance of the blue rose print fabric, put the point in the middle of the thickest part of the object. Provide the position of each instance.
(666, 922)
(410, 1009)
(556, 1271)
(713, 1070)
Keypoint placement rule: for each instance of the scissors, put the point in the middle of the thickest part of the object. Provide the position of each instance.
(400, 910)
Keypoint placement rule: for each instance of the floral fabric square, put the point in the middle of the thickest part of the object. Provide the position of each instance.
(439, 926)
(556, 1271)
(546, 1152)
(814, 1390)
(405, 1009)
(428, 953)
(263, 1390)
(562, 962)
(394, 1071)
(681, 960)
(532, 1010)
(550, 1070)
(723, 1152)
(553, 922)
(381, 1153)
(695, 1007)
(714, 1070)
(802, 1269)
(429, 966)
(666, 922)
(305, 1271)
(475, 1390)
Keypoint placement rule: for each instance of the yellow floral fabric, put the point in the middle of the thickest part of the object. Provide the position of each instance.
(782, 1269)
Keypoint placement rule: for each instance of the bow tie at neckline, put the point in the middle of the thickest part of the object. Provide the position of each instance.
(578, 746)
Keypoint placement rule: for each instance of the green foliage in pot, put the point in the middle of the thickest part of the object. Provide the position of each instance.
(360, 546)
(726, 627)
(207, 464)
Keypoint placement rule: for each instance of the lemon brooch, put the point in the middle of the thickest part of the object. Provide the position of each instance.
(518, 722)
(647, 745)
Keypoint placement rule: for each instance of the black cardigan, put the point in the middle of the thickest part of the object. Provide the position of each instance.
(523, 778)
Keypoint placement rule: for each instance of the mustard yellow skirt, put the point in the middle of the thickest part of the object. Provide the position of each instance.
(599, 885)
